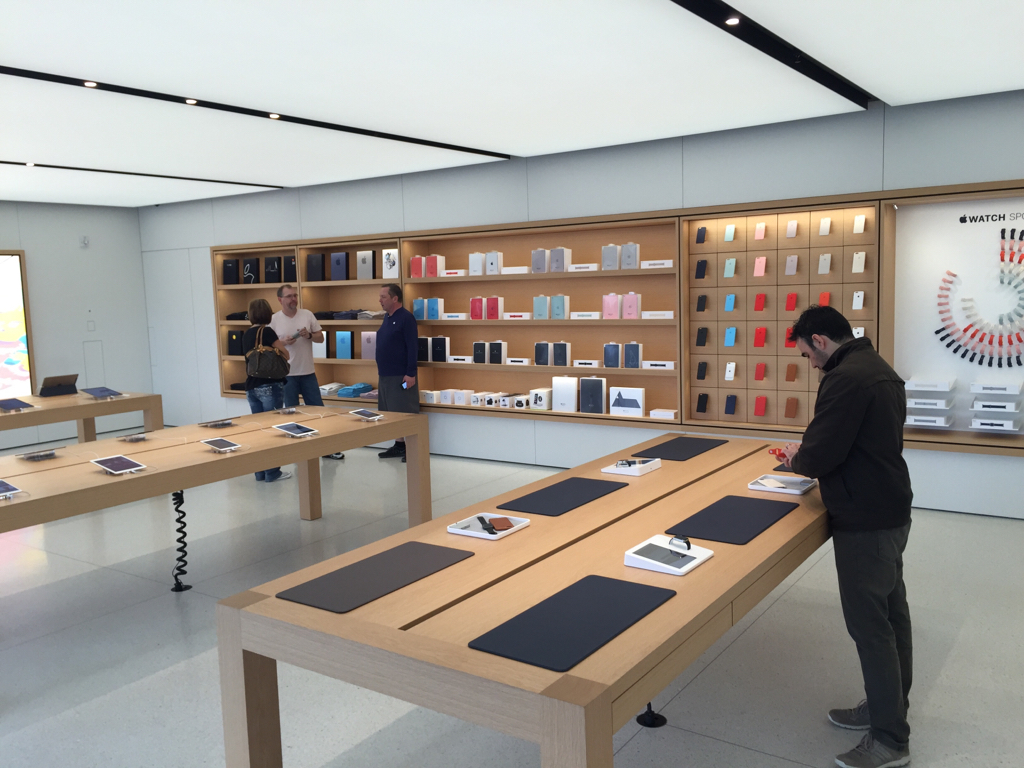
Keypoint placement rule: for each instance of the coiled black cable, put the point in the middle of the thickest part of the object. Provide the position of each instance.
(178, 500)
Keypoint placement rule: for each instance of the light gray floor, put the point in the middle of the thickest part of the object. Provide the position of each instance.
(100, 665)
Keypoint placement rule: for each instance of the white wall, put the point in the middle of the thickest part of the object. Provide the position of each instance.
(70, 287)
(961, 140)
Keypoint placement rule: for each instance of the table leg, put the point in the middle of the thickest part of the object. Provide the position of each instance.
(310, 501)
(248, 689)
(153, 418)
(86, 430)
(577, 725)
(417, 458)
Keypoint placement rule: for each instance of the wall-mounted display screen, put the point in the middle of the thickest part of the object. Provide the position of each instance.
(15, 377)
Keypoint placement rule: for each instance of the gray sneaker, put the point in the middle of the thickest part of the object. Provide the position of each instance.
(856, 719)
(873, 754)
(282, 476)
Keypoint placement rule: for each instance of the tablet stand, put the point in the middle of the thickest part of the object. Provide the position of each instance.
(178, 500)
(651, 719)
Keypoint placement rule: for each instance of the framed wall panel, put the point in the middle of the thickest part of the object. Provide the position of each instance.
(17, 375)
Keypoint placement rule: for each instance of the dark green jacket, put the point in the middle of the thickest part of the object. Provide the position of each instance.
(854, 443)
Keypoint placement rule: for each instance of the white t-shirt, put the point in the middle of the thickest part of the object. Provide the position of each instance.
(301, 352)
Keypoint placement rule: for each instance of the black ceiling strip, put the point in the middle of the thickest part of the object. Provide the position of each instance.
(136, 173)
(753, 34)
(264, 115)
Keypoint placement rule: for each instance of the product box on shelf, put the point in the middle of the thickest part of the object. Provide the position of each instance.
(611, 306)
(454, 316)
(417, 267)
(584, 315)
(627, 401)
(561, 259)
(343, 345)
(251, 270)
(493, 399)
(540, 399)
(663, 365)
(657, 264)
(368, 347)
(479, 398)
(497, 351)
(586, 363)
(521, 402)
(631, 256)
(272, 269)
(610, 255)
(542, 353)
(435, 265)
(460, 358)
(631, 306)
(560, 307)
(430, 396)
(454, 273)
(447, 396)
(658, 314)
(493, 262)
(612, 355)
(339, 265)
(517, 361)
(423, 349)
(563, 393)
(495, 307)
(479, 351)
(440, 347)
(462, 397)
(419, 309)
(584, 268)
(476, 308)
(476, 263)
(390, 260)
(593, 395)
(435, 308)
(663, 413)
(517, 315)
(541, 307)
(632, 355)
(561, 353)
(515, 270)
(540, 260)
(366, 265)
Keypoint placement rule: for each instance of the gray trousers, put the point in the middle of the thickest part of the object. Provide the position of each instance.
(874, 598)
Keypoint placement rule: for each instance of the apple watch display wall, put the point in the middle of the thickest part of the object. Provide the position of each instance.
(758, 273)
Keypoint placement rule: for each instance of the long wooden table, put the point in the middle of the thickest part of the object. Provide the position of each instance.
(412, 644)
(70, 485)
(84, 409)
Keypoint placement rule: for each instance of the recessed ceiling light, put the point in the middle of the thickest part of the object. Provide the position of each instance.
(30, 164)
(274, 116)
(89, 84)
(732, 21)
(190, 101)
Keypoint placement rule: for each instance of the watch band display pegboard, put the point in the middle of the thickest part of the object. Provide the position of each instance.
(748, 279)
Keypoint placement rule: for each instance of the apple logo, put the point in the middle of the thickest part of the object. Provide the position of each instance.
(963, 219)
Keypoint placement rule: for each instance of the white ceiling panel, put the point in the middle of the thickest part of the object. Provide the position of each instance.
(52, 185)
(61, 125)
(523, 77)
(908, 51)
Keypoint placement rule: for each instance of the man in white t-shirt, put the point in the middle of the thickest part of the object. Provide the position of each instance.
(298, 329)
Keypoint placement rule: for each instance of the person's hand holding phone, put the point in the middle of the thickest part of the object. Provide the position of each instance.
(408, 382)
(304, 333)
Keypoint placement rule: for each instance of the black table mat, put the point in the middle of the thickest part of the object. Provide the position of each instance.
(680, 448)
(364, 581)
(560, 632)
(733, 519)
(562, 497)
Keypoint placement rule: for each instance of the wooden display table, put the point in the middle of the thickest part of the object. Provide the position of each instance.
(70, 485)
(84, 409)
(412, 644)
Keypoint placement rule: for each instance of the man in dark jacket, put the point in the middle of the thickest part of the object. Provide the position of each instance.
(854, 446)
(397, 389)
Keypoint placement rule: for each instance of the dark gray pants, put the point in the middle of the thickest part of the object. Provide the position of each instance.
(870, 568)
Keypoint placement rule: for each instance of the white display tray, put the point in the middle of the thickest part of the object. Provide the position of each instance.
(994, 425)
(936, 405)
(936, 385)
(995, 406)
(794, 484)
(476, 531)
(700, 554)
(635, 470)
(928, 421)
(980, 388)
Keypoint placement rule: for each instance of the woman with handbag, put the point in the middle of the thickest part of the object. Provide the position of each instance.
(266, 366)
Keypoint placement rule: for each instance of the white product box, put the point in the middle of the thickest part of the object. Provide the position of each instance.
(506, 401)
(368, 348)
(935, 385)
(994, 406)
(460, 358)
(582, 268)
(930, 403)
(453, 273)
(447, 396)
(540, 399)
(515, 270)
(493, 399)
(563, 393)
(518, 361)
(657, 264)
(584, 315)
(389, 257)
(455, 316)
(521, 402)
(663, 413)
(663, 365)
(430, 396)
(320, 349)
(627, 401)
(479, 398)
(586, 363)
(463, 397)
(476, 263)
(636, 468)
(995, 425)
(658, 314)
(518, 315)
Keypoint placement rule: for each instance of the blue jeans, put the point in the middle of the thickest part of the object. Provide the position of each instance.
(305, 385)
(268, 397)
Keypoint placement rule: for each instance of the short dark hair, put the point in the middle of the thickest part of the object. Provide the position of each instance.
(259, 312)
(821, 321)
(283, 288)
(394, 289)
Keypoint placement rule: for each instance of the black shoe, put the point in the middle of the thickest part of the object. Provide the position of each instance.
(393, 452)
(336, 456)
(403, 458)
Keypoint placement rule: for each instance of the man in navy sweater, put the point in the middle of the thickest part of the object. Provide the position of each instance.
(396, 362)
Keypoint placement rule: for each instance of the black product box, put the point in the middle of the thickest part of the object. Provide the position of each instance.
(290, 275)
(235, 343)
(315, 267)
(339, 266)
(479, 351)
(251, 270)
(423, 349)
(230, 272)
(272, 269)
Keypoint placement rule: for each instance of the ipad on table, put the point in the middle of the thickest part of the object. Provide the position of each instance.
(220, 445)
(118, 465)
(294, 429)
(102, 393)
(13, 404)
(367, 415)
(7, 490)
